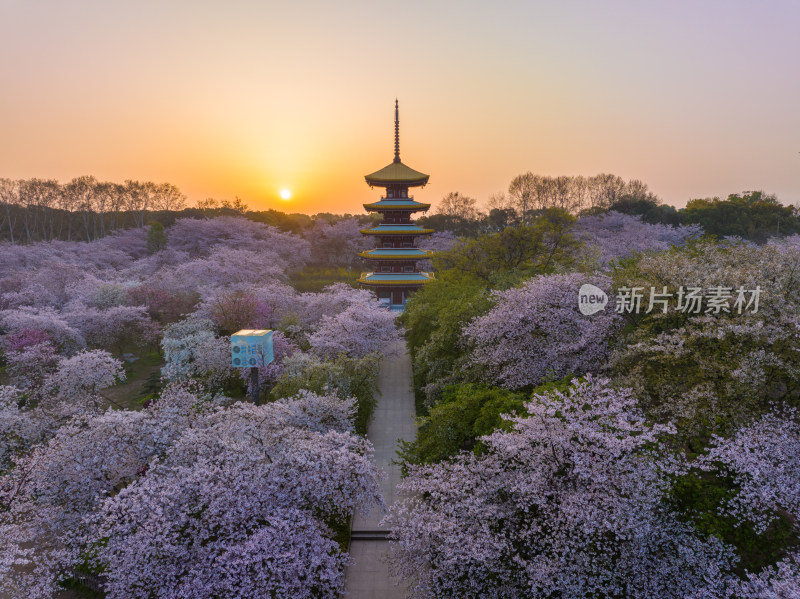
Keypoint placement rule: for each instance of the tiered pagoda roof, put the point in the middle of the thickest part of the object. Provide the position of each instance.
(396, 204)
(396, 253)
(410, 229)
(396, 270)
(397, 173)
(410, 278)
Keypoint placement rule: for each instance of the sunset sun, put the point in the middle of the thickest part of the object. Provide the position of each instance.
(286, 194)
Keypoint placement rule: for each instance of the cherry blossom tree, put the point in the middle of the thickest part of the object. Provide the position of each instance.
(260, 486)
(52, 390)
(83, 462)
(47, 285)
(41, 286)
(113, 328)
(772, 267)
(211, 362)
(74, 388)
(710, 373)
(198, 237)
(21, 339)
(779, 581)
(238, 309)
(440, 241)
(536, 333)
(266, 305)
(123, 245)
(52, 489)
(226, 266)
(98, 293)
(764, 461)
(566, 504)
(31, 365)
(64, 337)
(151, 263)
(180, 343)
(164, 303)
(17, 431)
(338, 243)
(614, 235)
(342, 376)
(320, 413)
(356, 331)
(311, 307)
(208, 502)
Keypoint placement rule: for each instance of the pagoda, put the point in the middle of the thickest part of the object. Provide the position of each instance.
(395, 257)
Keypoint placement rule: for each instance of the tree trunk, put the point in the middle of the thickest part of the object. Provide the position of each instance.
(254, 390)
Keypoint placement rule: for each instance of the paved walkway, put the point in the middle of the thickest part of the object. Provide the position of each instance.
(368, 576)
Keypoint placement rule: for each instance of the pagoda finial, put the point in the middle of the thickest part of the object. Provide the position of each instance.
(396, 131)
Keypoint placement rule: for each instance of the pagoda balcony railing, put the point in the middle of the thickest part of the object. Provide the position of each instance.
(430, 275)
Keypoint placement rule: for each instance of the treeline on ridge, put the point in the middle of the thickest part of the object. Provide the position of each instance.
(85, 208)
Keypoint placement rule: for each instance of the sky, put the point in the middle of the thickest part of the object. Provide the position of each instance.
(223, 99)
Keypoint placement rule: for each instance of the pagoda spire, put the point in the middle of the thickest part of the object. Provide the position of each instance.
(396, 131)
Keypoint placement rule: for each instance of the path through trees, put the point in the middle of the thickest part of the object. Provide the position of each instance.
(368, 577)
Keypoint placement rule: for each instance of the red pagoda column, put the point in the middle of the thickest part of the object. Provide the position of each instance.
(395, 257)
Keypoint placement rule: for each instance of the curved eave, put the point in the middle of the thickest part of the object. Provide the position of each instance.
(396, 232)
(378, 255)
(396, 173)
(411, 206)
(370, 278)
(388, 182)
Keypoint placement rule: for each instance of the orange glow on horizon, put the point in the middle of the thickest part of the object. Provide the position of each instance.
(198, 95)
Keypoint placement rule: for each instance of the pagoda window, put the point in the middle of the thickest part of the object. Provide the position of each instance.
(408, 269)
(403, 194)
(407, 244)
(386, 269)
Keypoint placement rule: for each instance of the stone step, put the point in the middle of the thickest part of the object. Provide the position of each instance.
(370, 535)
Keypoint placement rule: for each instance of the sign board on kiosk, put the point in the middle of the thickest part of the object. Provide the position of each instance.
(251, 348)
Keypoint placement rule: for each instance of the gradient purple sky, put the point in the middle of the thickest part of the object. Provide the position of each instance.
(232, 98)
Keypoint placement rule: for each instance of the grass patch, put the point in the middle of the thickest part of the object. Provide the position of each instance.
(141, 376)
(341, 531)
(699, 496)
(316, 278)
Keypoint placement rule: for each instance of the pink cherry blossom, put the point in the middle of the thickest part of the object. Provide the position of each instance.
(614, 235)
(358, 330)
(536, 333)
(567, 504)
(764, 460)
(191, 499)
